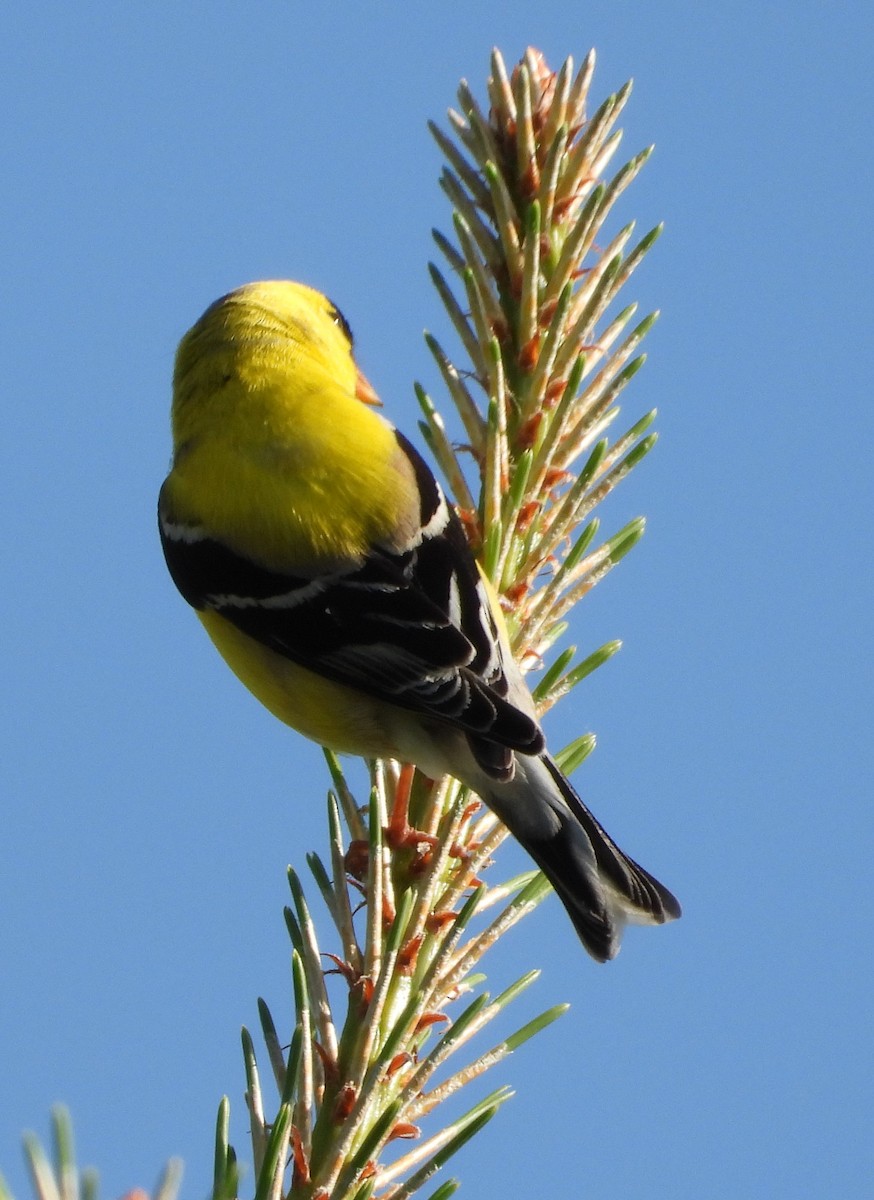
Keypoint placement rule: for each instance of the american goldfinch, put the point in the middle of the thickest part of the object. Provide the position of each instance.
(323, 560)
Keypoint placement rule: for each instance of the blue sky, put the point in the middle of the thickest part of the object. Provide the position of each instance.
(156, 156)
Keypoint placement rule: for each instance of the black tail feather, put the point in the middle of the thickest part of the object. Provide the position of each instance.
(642, 891)
(600, 886)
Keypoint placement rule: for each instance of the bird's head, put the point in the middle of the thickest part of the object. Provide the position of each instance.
(261, 329)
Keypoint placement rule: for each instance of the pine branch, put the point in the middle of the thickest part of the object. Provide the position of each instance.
(383, 1012)
(543, 356)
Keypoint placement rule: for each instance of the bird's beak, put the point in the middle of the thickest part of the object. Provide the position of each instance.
(365, 393)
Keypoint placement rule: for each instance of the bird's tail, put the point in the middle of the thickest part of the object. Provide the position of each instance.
(601, 888)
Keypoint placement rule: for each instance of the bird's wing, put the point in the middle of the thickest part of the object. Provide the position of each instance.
(412, 626)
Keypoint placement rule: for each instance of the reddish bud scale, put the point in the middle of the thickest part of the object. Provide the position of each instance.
(345, 1103)
(428, 1019)
(360, 994)
(527, 435)
(530, 181)
(404, 1130)
(301, 1164)
(555, 477)
(399, 1060)
(470, 520)
(409, 954)
(341, 968)
(531, 656)
(329, 1063)
(400, 806)
(420, 863)
(514, 595)
(515, 285)
(547, 310)
(357, 858)
(404, 837)
(437, 921)
(563, 206)
(526, 515)
(529, 353)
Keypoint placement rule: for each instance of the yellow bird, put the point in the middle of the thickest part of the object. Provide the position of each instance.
(323, 560)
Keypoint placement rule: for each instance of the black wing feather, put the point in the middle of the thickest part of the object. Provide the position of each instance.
(411, 627)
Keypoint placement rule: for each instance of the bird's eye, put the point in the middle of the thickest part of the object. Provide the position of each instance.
(338, 319)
